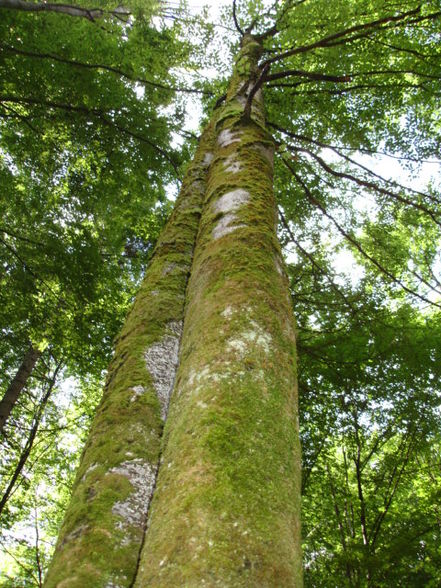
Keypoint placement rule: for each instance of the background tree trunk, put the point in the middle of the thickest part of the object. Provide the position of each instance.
(70, 10)
(16, 386)
(39, 414)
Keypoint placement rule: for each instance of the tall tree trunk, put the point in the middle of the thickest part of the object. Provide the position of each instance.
(16, 386)
(30, 441)
(102, 534)
(226, 510)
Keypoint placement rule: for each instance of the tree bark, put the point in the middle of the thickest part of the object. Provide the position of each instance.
(226, 509)
(16, 386)
(104, 526)
(30, 441)
(70, 10)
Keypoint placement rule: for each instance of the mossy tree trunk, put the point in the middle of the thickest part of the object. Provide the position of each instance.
(226, 506)
(226, 509)
(103, 530)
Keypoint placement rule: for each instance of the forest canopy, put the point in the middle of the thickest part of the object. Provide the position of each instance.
(97, 129)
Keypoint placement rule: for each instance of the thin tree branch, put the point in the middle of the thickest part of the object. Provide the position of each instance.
(99, 66)
(91, 14)
(311, 258)
(260, 81)
(355, 243)
(236, 22)
(330, 40)
(316, 76)
(367, 184)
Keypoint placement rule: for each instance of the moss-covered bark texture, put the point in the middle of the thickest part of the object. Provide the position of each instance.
(226, 508)
(103, 530)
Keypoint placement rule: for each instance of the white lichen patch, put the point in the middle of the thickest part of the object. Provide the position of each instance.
(228, 204)
(75, 534)
(225, 226)
(227, 312)
(162, 360)
(138, 391)
(227, 137)
(199, 379)
(231, 201)
(171, 267)
(278, 264)
(253, 337)
(90, 469)
(142, 475)
(231, 165)
(266, 150)
(207, 159)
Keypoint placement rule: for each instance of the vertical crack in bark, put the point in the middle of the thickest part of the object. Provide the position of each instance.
(164, 383)
(146, 521)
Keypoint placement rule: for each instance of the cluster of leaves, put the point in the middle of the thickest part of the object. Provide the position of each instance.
(370, 405)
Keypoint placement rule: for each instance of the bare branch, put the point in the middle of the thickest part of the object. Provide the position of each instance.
(311, 258)
(345, 35)
(236, 22)
(99, 66)
(260, 81)
(317, 76)
(88, 13)
(353, 241)
(369, 185)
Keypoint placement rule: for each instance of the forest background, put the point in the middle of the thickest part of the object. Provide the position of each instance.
(94, 139)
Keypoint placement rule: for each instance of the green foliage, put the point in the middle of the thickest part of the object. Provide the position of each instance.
(85, 159)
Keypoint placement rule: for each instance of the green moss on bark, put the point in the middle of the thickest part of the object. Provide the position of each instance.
(226, 509)
(103, 529)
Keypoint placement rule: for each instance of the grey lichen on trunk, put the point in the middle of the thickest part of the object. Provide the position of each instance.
(103, 530)
(226, 509)
(162, 362)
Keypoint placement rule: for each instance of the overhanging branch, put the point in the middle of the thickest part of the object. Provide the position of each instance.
(68, 9)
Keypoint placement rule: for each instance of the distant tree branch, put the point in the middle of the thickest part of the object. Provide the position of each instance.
(367, 184)
(236, 22)
(353, 241)
(30, 441)
(104, 67)
(345, 35)
(260, 81)
(310, 257)
(99, 114)
(391, 490)
(76, 11)
(316, 76)
(368, 88)
(338, 151)
(26, 266)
